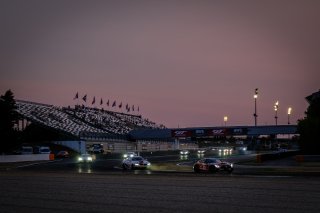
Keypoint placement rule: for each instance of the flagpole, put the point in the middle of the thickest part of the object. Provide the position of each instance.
(84, 98)
(101, 103)
(76, 98)
(120, 106)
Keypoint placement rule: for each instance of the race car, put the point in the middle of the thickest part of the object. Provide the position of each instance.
(184, 152)
(201, 151)
(135, 162)
(129, 154)
(212, 165)
(85, 158)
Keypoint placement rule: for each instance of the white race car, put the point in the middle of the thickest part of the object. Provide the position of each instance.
(85, 158)
(129, 154)
(136, 162)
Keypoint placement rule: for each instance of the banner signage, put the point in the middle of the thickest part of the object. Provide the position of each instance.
(216, 132)
(181, 133)
(238, 131)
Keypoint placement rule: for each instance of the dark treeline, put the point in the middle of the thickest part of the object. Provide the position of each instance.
(309, 127)
(8, 118)
(11, 139)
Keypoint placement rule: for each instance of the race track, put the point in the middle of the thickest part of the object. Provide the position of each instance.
(28, 191)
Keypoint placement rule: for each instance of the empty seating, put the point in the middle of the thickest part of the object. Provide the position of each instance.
(80, 119)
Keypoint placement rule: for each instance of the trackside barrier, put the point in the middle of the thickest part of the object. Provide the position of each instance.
(21, 158)
(299, 158)
(307, 158)
(259, 160)
(51, 156)
(273, 156)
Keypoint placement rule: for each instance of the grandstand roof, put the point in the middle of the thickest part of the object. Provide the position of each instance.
(145, 134)
(272, 130)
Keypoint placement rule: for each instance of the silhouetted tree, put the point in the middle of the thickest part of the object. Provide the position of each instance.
(8, 117)
(309, 127)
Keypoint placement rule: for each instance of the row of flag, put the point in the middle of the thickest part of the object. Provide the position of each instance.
(114, 103)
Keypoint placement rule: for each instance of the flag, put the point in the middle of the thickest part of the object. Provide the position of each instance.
(76, 97)
(120, 105)
(101, 101)
(114, 104)
(127, 107)
(94, 100)
(85, 98)
(133, 108)
(108, 103)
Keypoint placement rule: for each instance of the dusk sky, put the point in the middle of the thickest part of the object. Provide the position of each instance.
(184, 63)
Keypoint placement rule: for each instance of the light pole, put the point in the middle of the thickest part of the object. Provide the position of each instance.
(276, 106)
(255, 96)
(289, 113)
(225, 119)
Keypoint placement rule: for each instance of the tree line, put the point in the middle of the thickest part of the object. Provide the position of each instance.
(9, 116)
(309, 127)
(11, 138)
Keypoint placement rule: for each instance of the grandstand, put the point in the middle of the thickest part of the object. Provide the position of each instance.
(82, 121)
(118, 132)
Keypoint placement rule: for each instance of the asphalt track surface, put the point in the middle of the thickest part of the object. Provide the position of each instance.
(23, 191)
(65, 186)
